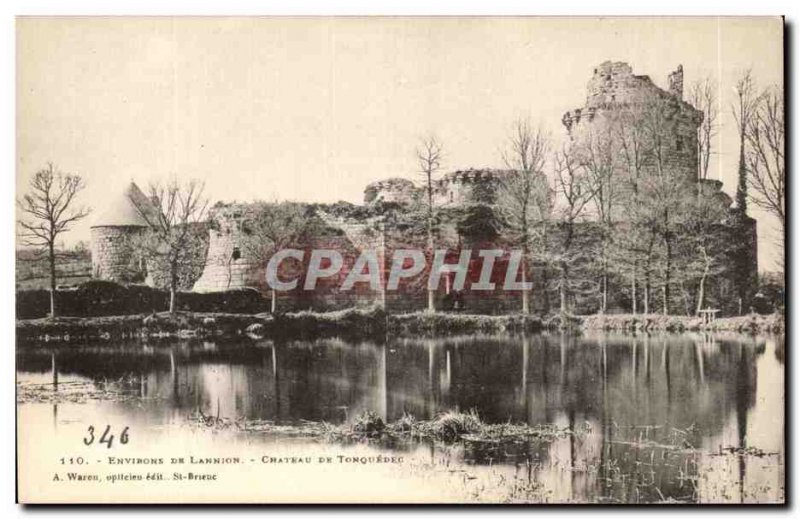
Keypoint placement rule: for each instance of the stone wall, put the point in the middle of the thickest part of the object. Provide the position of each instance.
(453, 189)
(113, 254)
(392, 190)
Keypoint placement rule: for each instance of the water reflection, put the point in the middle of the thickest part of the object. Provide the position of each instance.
(688, 417)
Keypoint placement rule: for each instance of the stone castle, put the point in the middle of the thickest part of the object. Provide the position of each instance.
(612, 92)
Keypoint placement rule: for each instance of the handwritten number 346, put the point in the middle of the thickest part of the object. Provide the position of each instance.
(106, 437)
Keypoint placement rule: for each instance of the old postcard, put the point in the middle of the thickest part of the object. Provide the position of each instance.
(400, 260)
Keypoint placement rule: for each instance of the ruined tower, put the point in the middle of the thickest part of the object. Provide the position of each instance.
(227, 266)
(616, 96)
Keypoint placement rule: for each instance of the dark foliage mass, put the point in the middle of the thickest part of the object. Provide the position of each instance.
(103, 298)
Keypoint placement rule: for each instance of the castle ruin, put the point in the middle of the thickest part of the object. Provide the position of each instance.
(614, 93)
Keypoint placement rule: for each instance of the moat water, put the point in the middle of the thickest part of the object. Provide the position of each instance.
(658, 418)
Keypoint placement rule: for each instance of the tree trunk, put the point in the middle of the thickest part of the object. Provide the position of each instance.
(701, 289)
(563, 287)
(604, 263)
(604, 308)
(633, 293)
(52, 258)
(526, 294)
(647, 294)
(431, 291)
(274, 302)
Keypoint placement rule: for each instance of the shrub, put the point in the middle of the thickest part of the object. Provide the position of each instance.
(452, 425)
(369, 423)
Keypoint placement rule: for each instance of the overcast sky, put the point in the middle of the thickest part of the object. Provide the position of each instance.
(313, 109)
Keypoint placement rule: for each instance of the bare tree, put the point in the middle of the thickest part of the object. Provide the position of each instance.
(575, 191)
(169, 243)
(765, 157)
(703, 95)
(48, 211)
(633, 244)
(524, 196)
(743, 109)
(429, 159)
(652, 196)
(599, 160)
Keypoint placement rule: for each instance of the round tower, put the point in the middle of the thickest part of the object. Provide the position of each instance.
(113, 233)
(468, 186)
(616, 98)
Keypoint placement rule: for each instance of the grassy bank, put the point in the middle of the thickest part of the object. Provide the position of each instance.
(345, 323)
(425, 323)
(357, 323)
(450, 426)
(753, 323)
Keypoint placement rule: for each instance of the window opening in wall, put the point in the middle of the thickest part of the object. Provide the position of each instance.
(236, 254)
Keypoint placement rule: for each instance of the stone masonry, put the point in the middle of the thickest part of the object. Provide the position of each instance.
(227, 266)
(614, 93)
